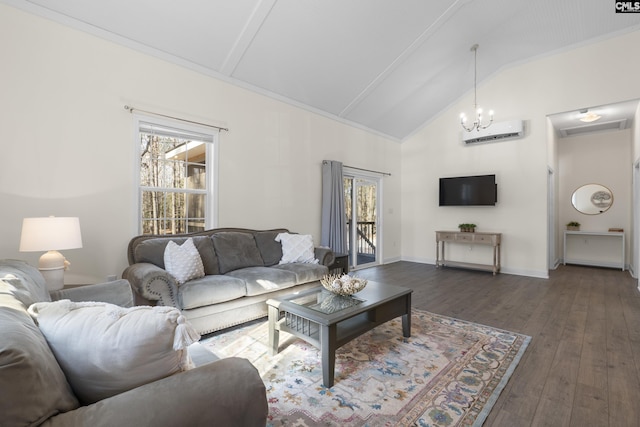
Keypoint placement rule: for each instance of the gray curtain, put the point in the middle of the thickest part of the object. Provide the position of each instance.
(333, 213)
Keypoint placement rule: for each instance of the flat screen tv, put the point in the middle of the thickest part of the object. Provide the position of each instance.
(469, 191)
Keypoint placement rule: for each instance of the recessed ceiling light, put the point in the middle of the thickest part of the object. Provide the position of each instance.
(589, 117)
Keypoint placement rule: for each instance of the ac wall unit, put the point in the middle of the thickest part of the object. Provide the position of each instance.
(495, 132)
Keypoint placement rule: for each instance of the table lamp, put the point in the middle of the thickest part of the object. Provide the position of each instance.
(51, 234)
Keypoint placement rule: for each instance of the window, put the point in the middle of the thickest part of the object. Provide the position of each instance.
(175, 177)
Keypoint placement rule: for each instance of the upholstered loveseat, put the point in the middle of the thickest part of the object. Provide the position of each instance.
(36, 388)
(242, 269)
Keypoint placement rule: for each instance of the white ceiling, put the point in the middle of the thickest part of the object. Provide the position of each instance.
(386, 65)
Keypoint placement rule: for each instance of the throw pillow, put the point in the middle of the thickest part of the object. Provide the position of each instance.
(105, 349)
(270, 250)
(296, 248)
(235, 250)
(151, 250)
(183, 262)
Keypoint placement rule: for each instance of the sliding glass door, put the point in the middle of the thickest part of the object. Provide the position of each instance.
(362, 200)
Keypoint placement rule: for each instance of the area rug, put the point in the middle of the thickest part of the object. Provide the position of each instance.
(448, 373)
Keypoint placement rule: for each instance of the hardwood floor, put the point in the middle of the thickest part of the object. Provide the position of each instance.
(582, 367)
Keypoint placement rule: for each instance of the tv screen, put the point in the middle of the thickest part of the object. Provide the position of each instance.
(469, 191)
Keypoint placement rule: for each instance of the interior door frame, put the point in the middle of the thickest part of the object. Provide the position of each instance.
(634, 258)
(552, 258)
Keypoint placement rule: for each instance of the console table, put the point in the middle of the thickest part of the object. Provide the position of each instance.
(601, 249)
(492, 239)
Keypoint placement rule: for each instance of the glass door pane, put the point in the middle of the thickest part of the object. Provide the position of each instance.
(361, 204)
(348, 208)
(366, 226)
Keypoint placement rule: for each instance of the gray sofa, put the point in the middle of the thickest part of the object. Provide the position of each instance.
(35, 392)
(242, 272)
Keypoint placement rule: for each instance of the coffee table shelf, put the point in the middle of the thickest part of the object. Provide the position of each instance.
(346, 330)
(312, 316)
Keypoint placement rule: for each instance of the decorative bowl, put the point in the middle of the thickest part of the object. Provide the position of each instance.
(343, 284)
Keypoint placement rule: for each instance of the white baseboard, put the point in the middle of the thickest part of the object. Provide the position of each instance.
(392, 260)
(527, 273)
(431, 261)
(544, 274)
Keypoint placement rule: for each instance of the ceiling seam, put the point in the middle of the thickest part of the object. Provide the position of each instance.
(451, 10)
(247, 35)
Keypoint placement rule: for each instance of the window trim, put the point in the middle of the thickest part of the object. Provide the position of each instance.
(212, 162)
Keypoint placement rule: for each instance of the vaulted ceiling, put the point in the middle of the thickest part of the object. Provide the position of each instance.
(386, 65)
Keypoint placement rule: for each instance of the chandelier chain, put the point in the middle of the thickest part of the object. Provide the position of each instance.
(477, 124)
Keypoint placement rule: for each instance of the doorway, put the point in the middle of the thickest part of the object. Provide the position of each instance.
(552, 261)
(362, 207)
(579, 143)
(635, 226)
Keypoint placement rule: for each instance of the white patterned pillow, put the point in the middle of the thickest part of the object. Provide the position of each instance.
(296, 248)
(183, 262)
(105, 349)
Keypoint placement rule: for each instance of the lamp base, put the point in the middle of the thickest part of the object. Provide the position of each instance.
(52, 266)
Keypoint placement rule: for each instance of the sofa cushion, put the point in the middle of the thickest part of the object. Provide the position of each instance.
(32, 385)
(236, 250)
(152, 251)
(296, 248)
(305, 272)
(270, 250)
(27, 284)
(261, 280)
(183, 262)
(105, 350)
(211, 290)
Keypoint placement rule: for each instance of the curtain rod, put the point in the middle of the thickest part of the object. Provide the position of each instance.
(366, 170)
(130, 109)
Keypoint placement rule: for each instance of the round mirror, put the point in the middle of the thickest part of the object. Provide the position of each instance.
(592, 199)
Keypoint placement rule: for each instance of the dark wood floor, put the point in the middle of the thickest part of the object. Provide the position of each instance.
(582, 367)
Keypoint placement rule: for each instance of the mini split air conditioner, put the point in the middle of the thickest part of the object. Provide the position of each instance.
(495, 132)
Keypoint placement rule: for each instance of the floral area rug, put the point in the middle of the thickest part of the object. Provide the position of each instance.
(448, 373)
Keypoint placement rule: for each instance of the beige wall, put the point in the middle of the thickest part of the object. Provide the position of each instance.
(68, 144)
(596, 74)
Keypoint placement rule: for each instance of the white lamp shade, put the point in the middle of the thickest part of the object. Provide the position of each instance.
(50, 233)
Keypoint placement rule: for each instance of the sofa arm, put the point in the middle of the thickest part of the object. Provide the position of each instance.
(153, 284)
(228, 392)
(117, 292)
(325, 255)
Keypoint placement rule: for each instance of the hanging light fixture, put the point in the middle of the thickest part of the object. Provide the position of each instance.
(477, 124)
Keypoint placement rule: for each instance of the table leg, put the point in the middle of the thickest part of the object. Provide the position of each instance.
(495, 258)
(274, 333)
(406, 319)
(328, 352)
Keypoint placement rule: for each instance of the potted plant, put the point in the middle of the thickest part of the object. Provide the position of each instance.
(467, 228)
(573, 226)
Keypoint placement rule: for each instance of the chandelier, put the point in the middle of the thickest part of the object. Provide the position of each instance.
(477, 124)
